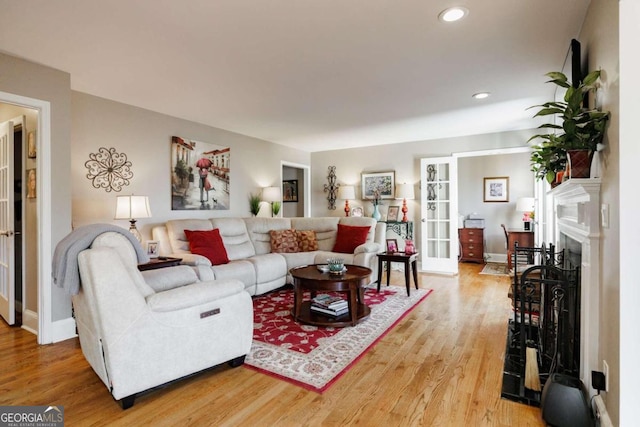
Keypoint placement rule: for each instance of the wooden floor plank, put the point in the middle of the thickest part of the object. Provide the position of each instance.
(440, 366)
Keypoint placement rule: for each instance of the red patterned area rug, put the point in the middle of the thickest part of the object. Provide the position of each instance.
(314, 357)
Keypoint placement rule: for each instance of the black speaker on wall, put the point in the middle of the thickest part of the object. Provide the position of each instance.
(565, 402)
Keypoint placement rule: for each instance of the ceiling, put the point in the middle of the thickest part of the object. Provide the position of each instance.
(312, 74)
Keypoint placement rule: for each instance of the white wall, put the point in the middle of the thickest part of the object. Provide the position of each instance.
(629, 295)
(471, 174)
(145, 137)
(404, 159)
(599, 40)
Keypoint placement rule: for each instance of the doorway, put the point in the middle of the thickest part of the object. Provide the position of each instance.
(296, 176)
(20, 231)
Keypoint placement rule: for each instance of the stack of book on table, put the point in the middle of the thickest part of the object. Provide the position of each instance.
(328, 304)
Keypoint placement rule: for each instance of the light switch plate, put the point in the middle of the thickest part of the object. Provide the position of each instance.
(604, 215)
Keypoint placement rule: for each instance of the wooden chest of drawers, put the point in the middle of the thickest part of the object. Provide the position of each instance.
(471, 244)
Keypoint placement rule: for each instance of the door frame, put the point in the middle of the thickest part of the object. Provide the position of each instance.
(43, 207)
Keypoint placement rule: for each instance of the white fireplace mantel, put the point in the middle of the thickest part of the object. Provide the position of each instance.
(576, 205)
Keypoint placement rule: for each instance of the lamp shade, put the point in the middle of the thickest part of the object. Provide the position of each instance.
(405, 191)
(346, 192)
(129, 207)
(271, 194)
(525, 204)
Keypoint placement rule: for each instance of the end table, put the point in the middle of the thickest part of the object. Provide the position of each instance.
(409, 261)
(160, 262)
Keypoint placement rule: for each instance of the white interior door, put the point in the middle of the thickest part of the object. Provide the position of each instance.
(7, 248)
(439, 211)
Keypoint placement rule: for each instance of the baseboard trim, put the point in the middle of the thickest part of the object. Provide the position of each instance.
(30, 321)
(600, 411)
(63, 329)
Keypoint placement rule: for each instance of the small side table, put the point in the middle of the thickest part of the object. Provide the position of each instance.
(409, 261)
(160, 262)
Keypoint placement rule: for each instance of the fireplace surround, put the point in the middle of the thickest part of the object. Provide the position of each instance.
(576, 216)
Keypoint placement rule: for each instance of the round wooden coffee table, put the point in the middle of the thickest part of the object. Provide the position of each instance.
(352, 282)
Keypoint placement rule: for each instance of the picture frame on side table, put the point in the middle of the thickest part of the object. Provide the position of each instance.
(384, 182)
(290, 191)
(392, 213)
(496, 189)
(392, 245)
(152, 248)
(357, 211)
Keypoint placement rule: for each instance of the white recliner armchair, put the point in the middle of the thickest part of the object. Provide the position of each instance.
(141, 330)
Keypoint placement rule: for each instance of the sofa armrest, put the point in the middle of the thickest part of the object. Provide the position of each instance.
(193, 295)
(368, 247)
(192, 259)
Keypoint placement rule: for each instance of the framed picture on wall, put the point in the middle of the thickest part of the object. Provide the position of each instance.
(357, 211)
(382, 183)
(496, 189)
(290, 191)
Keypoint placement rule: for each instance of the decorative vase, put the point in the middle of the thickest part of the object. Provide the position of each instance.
(579, 162)
(376, 213)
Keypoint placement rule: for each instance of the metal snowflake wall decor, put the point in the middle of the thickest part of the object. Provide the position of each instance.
(109, 169)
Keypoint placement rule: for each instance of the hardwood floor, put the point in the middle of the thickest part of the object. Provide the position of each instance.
(441, 366)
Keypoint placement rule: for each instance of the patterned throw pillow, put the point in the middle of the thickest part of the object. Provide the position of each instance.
(307, 240)
(208, 244)
(284, 241)
(349, 237)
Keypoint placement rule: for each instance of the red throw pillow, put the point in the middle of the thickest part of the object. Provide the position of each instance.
(349, 238)
(208, 244)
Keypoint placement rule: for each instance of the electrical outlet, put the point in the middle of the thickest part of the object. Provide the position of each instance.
(605, 371)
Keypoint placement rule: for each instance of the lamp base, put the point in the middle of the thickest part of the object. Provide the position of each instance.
(133, 230)
(404, 211)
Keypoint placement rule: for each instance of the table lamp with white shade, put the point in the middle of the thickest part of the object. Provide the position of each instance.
(346, 193)
(404, 192)
(133, 208)
(272, 195)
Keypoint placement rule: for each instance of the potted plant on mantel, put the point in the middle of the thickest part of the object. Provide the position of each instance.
(575, 139)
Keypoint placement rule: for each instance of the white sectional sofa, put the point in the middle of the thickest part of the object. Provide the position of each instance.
(248, 245)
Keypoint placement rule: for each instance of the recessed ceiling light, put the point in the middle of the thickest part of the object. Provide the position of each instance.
(481, 95)
(453, 14)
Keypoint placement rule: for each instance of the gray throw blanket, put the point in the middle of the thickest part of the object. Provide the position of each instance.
(65, 257)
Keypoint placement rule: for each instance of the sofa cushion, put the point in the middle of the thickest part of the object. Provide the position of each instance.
(307, 240)
(175, 233)
(235, 237)
(259, 229)
(284, 241)
(349, 238)
(209, 244)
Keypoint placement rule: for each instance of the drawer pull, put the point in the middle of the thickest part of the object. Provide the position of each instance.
(470, 253)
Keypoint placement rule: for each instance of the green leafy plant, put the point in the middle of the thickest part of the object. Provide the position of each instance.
(275, 208)
(254, 203)
(578, 128)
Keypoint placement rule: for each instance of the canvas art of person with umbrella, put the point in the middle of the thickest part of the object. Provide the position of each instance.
(200, 175)
(203, 166)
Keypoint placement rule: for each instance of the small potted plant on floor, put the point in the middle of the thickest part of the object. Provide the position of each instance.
(576, 134)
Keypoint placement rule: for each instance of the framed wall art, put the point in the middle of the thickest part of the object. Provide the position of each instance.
(381, 182)
(496, 189)
(199, 175)
(290, 191)
(357, 211)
